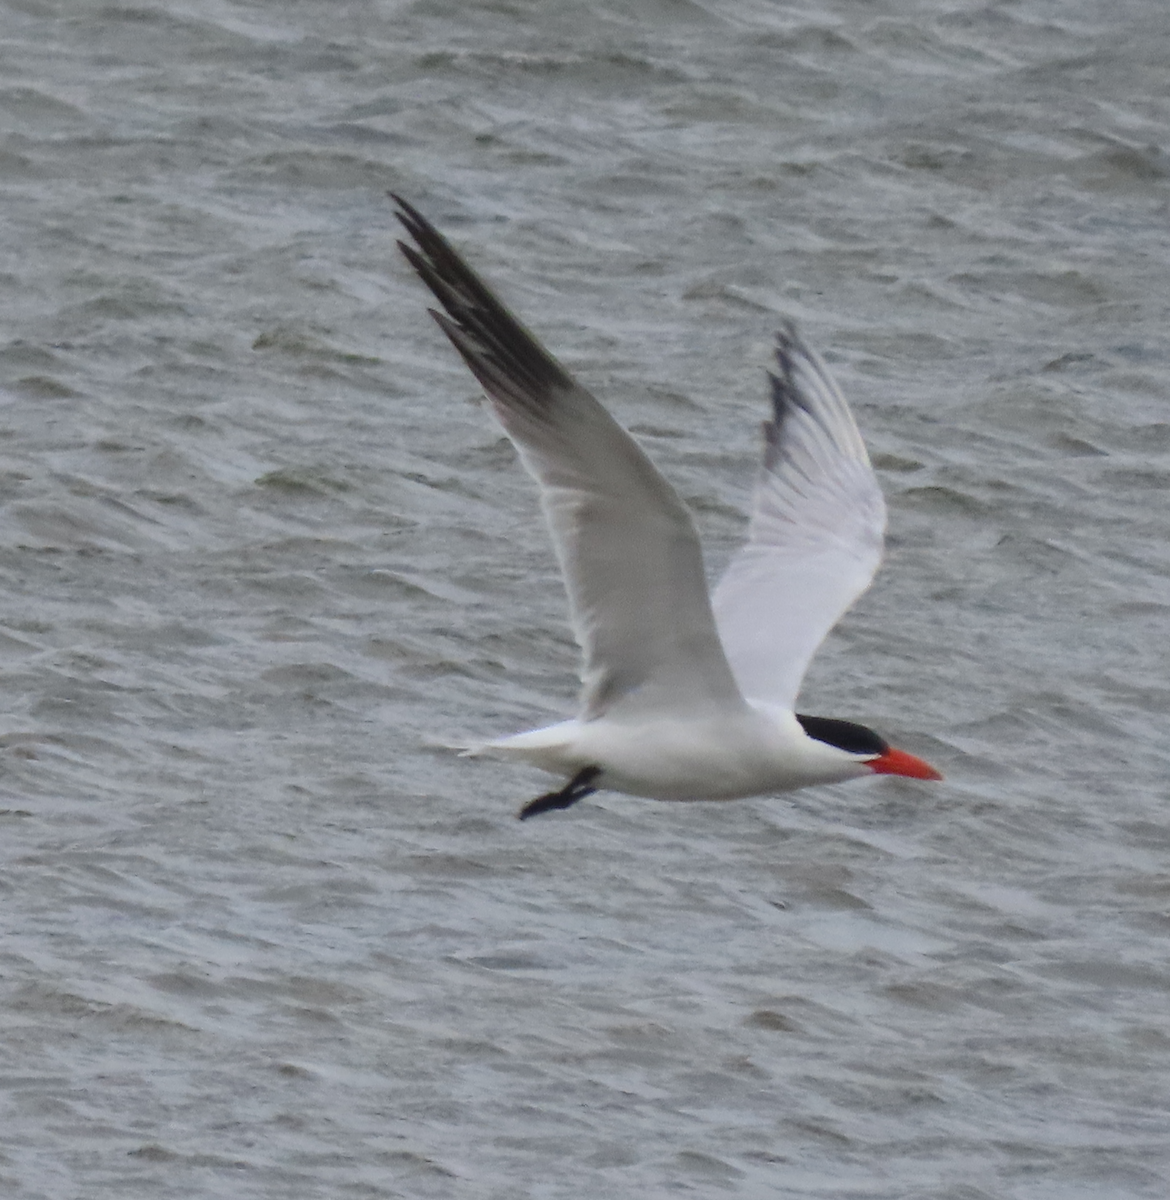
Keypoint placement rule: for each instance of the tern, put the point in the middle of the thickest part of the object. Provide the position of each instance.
(686, 694)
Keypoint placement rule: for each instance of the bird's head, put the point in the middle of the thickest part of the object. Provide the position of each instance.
(857, 739)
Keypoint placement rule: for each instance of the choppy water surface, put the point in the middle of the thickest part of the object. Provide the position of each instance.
(263, 936)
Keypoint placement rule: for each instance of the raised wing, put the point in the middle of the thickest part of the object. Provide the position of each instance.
(626, 545)
(816, 532)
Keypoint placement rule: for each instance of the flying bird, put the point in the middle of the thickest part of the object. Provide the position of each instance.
(686, 694)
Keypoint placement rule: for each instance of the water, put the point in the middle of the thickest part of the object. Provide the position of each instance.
(264, 936)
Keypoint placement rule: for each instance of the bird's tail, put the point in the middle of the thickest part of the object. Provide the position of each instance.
(463, 749)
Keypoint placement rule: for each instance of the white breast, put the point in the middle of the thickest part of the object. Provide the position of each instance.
(716, 757)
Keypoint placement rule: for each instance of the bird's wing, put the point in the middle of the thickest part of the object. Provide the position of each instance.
(627, 547)
(816, 532)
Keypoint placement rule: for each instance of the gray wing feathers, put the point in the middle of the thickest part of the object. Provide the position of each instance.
(626, 544)
(816, 532)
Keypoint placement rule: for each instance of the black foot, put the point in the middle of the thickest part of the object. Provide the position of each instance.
(576, 789)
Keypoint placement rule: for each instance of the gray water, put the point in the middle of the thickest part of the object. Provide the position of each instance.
(263, 936)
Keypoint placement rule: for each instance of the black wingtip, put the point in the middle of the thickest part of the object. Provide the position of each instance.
(413, 257)
(788, 331)
(407, 210)
(788, 345)
(501, 353)
(430, 241)
(786, 394)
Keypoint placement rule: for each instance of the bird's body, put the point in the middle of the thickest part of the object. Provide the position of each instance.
(685, 695)
(724, 756)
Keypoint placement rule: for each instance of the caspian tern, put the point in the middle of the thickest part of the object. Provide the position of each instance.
(685, 696)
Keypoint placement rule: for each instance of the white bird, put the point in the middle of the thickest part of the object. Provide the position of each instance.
(685, 696)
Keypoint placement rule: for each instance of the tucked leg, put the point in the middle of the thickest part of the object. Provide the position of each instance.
(576, 789)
